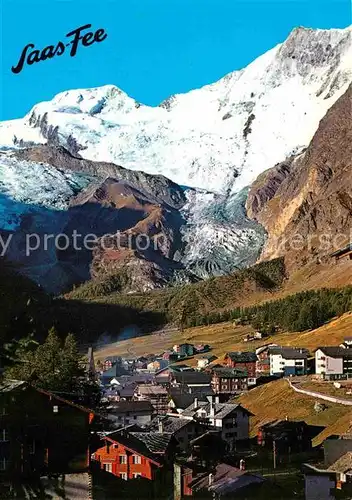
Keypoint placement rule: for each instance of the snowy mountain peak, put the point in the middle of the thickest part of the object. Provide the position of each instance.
(219, 137)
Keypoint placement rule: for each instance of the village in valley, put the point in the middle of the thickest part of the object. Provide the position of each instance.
(176, 253)
(173, 424)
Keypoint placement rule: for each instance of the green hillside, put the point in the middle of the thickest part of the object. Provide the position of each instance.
(190, 301)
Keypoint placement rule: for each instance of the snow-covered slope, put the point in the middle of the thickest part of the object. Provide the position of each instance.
(219, 137)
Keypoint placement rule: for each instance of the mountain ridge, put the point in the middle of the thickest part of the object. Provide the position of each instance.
(218, 137)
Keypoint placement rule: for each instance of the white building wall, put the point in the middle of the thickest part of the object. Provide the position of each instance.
(327, 365)
(276, 364)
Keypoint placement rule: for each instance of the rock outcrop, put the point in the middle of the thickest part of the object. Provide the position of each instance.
(132, 221)
(305, 203)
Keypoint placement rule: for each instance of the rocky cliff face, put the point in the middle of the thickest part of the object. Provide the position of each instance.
(305, 203)
(50, 201)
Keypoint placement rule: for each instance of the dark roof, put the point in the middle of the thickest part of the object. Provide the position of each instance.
(290, 352)
(230, 372)
(343, 464)
(336, 352)
(164, 363)
(210, 357)
(182, 367)
(182, 400)
(127, 391)
(281, 425)
(115, 371)
(188, 377)
(152, 445)
(130, 406)
(226, 479)
(113, 359)
(170, 424)
(11, 385)
(221, 410)
(8, 385)
(242, 357)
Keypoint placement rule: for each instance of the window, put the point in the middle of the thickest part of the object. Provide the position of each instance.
(115, 446)
(108, 467)
(4, 435)
(123, 475)
(123, 459)
(55, 409)
(136, 459)
(136, 474)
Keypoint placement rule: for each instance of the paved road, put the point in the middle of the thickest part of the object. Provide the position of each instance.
(319, 395)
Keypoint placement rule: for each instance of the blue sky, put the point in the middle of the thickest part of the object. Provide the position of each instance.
(155, 48)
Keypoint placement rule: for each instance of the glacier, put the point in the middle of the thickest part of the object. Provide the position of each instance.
(219, 137)
(216, 139)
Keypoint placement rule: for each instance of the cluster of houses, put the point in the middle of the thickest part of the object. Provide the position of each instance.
(154, 379)
(171, 426)
(199, 448)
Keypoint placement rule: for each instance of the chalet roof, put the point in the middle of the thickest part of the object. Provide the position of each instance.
(336, 352)
(190, 377)
(180, 400)
(155, 442)
(206, 435)
(170, 424)
(151, 445)
(265, 347)
(242, 356)
(11, 385)
(343, 464)
(8, 385)
(163, 363)
(226, 372)
(283, 426)
(115, 371)
(150, 389)
(209, 357)
(226, 479)
(182, 367)
(290, 352)
(130, 406)
(221, 410)
(113, 359)
(127, 391)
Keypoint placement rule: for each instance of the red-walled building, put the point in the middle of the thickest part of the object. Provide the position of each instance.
(244, 361)
(130, 455)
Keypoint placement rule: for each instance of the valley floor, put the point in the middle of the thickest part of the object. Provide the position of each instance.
(271, 401)
(224, 337)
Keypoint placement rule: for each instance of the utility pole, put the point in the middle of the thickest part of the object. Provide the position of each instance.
(274, 453)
